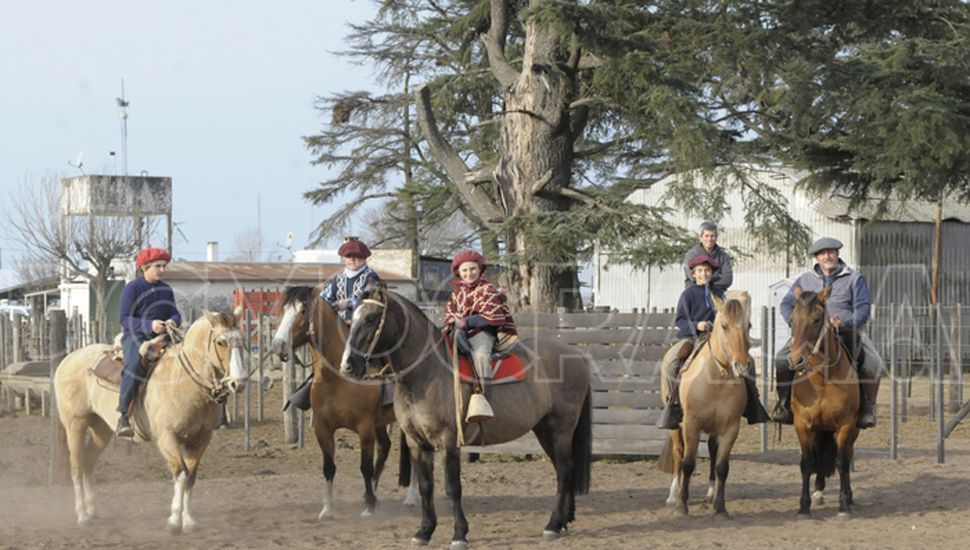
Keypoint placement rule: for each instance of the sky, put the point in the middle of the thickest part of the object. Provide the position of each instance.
(220, 94)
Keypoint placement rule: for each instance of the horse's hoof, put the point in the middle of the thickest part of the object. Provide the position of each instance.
(671, 501)
(188, 526)
(818, 498)
(845, 516)
(174, 528)
(366, 514)
(325, 514)
(804, 515)
(411, 502)
(84, 522)
(549, 534)
(721, 516)
(459, 545)
(415, 541)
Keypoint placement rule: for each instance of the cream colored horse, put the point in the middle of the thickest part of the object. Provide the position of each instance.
(713, 395)
(179, 408)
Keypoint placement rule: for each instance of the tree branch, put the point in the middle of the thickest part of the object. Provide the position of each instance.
(456, 168)
(495, 44)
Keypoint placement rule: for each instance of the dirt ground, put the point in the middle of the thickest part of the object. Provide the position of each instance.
(270, 497)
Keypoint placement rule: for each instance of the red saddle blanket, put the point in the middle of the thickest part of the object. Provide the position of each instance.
(509, 369)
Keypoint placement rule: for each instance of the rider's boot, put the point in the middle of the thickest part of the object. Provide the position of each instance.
(672, 413)
(754, 411)
(301, 397)
(124, 427)
(868, 390)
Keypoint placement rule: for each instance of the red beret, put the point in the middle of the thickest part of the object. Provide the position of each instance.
(152, 254)
(468, 256)
(702, 259)
(353, 248)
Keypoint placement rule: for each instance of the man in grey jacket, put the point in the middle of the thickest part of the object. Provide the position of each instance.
(848, 306)
(723, 276)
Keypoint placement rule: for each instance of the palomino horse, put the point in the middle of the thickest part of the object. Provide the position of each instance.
(825, 399)
(554, 401)
(713, 396)
(178, 407)
(337, 402)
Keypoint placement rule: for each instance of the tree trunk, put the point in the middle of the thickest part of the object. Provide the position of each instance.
(100, 284)
(537, 148)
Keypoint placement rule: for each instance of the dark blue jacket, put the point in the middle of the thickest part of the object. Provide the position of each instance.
(142, 303)
(849, 297)
(347, 288)
(695, 305)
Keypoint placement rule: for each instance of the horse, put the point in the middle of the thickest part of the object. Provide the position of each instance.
(337, 402)
(825, 400)
(713, 396)
(554, 401)
(178, 408)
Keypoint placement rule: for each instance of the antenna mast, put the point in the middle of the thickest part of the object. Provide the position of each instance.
(123, 104)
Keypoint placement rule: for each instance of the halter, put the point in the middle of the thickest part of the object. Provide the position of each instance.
(802, 366)
(216, 390)
(380, 326)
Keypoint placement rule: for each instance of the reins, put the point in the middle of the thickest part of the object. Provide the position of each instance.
(802, 366)
(216, 390)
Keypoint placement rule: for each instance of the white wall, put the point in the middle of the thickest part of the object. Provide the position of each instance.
(621, 287)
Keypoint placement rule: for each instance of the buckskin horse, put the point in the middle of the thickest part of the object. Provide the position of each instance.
(179, 407)
(553, 400)
(713, 396)
(337, 402)
(825, 400)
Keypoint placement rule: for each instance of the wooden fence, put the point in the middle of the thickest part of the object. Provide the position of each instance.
(625, 350)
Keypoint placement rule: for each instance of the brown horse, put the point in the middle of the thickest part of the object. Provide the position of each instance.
(825, 399)
(713, 395)
(179, 407)
(337, 402)
(554, 401)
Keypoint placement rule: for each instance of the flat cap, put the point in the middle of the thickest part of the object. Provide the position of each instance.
(825, 243)
(702, 259)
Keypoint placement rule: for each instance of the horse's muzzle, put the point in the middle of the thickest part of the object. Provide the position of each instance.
(278, 346)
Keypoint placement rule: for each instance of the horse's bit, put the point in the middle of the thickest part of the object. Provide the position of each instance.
(802, 366)
(217, 391)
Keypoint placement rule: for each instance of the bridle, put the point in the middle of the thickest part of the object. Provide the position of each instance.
(219, 388)
(387, 371)
(802, 365)
(380, 326)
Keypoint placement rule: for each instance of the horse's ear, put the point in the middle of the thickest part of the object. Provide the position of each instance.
(213, 318)
(718, 302)
(797, 291)
(237, 314)
(824, 294)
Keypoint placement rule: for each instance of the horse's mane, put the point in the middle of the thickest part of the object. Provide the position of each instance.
(223, 318)
(296, 294)
(410, 305)
(734, 309)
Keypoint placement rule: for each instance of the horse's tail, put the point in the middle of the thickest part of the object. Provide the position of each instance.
(825, 451)
(61, 456)
(583, 447)
(404, 464)
(665, 462)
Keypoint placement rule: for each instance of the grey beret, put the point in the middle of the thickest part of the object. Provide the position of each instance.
(825, 243)
(708, 226)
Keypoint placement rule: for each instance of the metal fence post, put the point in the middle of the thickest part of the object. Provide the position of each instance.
(894, 386)
(765, 354)
(249, 379)
(261, 336)
(940, 450)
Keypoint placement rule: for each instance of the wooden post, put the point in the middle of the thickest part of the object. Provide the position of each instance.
(4, 341)
(290, 415)
(261, 335)
(938, 382)
(765, 362)
(249, 381)
(15, 356)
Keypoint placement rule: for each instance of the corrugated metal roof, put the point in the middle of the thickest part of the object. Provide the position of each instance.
(837, 207)
(288, 273)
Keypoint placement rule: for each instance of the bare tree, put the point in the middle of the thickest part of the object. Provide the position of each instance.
(247, 246)
(84, 246)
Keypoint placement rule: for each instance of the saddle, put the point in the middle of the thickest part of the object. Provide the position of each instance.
(506, 366)
(112, 364)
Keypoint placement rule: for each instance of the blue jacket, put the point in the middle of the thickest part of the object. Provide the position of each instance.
(142, 303)
(695, 305)
(723, 276)
(347, 288)
(849, 297)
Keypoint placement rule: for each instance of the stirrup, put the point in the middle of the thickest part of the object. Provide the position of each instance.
(124, 428)
(670, 417)
(783, 414)
(478, 409)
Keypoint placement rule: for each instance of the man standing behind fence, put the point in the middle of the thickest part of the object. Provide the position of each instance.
(723, 276)
(848, 306)
(147, 310)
